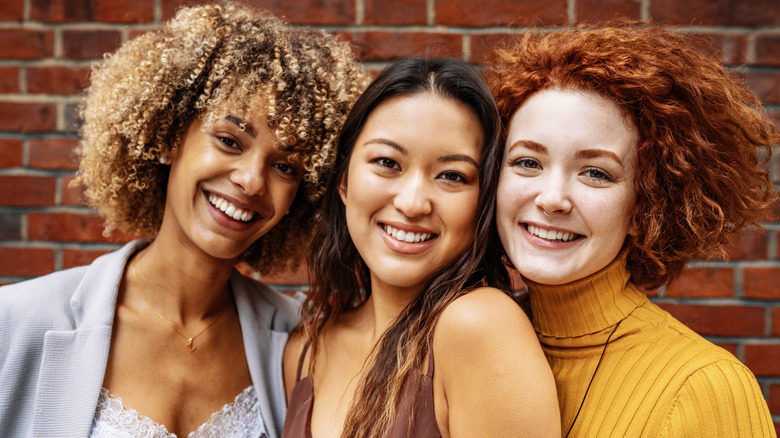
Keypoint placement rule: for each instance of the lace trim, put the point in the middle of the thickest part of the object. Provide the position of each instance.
(241, 418)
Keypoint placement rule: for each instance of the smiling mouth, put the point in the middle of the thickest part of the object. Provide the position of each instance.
(230, 209)
(551, 235)
(407, 237)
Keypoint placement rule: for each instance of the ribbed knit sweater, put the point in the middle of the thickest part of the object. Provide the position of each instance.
(657, 378)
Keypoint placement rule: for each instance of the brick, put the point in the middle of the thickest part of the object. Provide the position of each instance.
(10, 226)
(483, 45)
(53, 154)
(169, 7)
(12, 10)
(70, 227)
(716, 13)
(763, 359)
(26, 43)
(28, 117)
(761, 283)
(11, 153)
(108, 11)
(728, 49)
(72, 195)
(297, 277)
(79, 257)
(776, 322)
(719, 320)
(749, 244)
(765, 85)
(471, 13)
(89, 44)
(774, 398)
(57, 80)
(124, 11)
(598, 11)
(319, 12)
(386, 46)
(26, 262)
(61, 11)
(703, 283)
(768, 49)
(398, 12)
(27, 191)
(9, 80)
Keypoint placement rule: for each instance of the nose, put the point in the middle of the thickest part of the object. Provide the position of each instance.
(553, 195)
(249, 175)
(413, 197)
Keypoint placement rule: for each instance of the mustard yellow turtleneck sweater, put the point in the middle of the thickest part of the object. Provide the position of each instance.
(657, 378)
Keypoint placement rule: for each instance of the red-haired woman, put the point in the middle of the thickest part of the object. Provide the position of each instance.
(628, 154)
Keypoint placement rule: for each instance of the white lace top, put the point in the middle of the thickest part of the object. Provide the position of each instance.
(238, 419)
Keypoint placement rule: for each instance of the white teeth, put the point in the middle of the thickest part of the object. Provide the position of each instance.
(230, 209)
(408, 237)
(563, 236)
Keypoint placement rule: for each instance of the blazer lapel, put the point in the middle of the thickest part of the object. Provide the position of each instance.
(74, 361)
(263, 347)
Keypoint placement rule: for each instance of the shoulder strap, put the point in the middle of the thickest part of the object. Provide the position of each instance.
(300, 360)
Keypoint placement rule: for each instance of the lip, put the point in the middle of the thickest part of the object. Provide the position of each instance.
(548, 244)
(227, 221)
(410, 248)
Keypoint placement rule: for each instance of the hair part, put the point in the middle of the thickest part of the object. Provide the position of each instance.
(341, 279)
(703, 137)
(206, 61)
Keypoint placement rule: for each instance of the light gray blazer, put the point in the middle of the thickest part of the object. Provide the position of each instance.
(55, 333)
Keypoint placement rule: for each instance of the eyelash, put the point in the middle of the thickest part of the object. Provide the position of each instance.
(228, 140)
(604, 176)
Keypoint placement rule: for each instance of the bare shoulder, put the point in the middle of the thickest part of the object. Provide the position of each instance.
(484, 313)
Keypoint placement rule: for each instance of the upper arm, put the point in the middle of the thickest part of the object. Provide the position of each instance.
(722, 399)
(491, 368)
(292, 355)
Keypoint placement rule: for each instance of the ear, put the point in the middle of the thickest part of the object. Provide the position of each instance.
(343, 188)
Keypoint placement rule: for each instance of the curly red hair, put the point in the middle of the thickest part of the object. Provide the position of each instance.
(703, 137)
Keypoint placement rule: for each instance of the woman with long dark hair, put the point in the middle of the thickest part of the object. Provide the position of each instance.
(399, 263)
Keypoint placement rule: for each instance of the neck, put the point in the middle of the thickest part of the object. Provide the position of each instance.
(384, 305)
(181, 284)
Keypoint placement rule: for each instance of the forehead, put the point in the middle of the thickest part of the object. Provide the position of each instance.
(570, 119)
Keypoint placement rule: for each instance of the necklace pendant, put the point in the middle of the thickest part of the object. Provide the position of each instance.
(190, 346)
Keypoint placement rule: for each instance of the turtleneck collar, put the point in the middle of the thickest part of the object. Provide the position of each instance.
(584, 306)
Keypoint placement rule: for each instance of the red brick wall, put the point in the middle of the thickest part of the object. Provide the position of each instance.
(46, 47)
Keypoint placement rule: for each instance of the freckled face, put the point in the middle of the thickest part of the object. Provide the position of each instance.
(571, 154)
(412, 187)
(228, 186)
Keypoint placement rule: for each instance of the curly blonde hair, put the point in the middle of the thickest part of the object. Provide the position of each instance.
(703, 135)
(206, 62)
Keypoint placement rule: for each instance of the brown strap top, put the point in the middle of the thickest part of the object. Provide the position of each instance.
(297, 424)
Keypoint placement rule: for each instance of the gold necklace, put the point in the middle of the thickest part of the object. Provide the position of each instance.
(188, 338)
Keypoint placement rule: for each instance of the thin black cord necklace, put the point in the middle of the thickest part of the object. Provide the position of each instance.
(592, 377)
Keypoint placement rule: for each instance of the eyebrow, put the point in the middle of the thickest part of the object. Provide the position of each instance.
(585, 153)
(242, 124)
(443, 159)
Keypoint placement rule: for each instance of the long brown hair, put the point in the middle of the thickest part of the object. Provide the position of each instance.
(703, 135)
(340, 277)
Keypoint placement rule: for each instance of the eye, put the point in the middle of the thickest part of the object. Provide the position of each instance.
(526, 163)
(597, 174)
(387, 162)
(286, 168)
(228, 141)
(453, 176)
